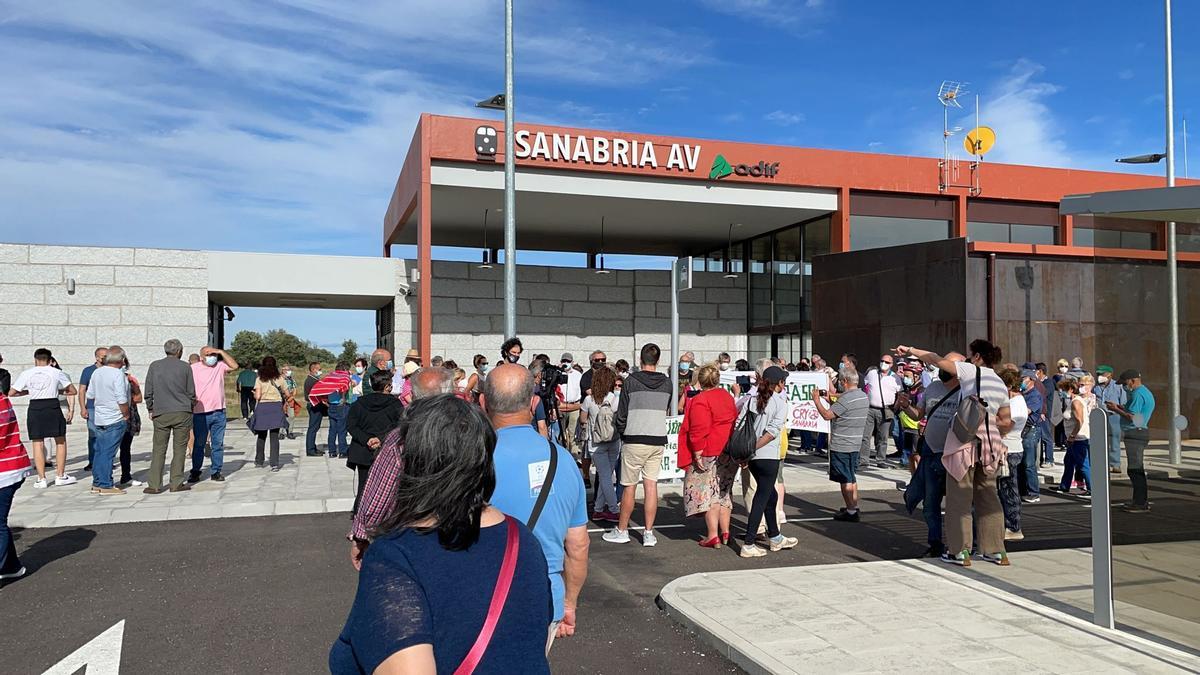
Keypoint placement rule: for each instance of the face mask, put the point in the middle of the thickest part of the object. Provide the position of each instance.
(839, 387)
(1063, 369)
(908, 381)
(944, 376)
(1085, 389)
(841, 365)
(318, 373)
(885, 366)
(390, 365)
(512, 358)
(1024, 386)
(210, 361)
(124, 369)
(482, 367)
(1128, 389)
(1102, 379)
(726, 366)
(684, 366)
(358, 370)
(287, 373)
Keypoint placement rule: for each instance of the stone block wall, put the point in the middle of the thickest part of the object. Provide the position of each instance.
(135, 297)
(576, 310)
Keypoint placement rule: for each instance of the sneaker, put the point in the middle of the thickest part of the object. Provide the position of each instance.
(218, 477)
(1136, 508)
(1031, 499)
(259, 465)
(1114, 469)
(193, 477)
(1000, 558)
(275, 469)
(1085, 493)
(610, 516)
(1010, 535)
(65, 480)
(14, 575)
(41, 484)
(962, 558)
(934, 551)
(648, 538)
(845, 516)
(108, 491)
(137, 483)
(781, 542)
(597, 516)
(88, 467)
(616, 536)
(751, 551)
(1041, 465)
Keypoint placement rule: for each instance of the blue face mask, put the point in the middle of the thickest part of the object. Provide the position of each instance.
(684, 366)
(390, 365)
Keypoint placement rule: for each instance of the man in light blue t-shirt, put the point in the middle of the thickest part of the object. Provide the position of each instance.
(522, 459)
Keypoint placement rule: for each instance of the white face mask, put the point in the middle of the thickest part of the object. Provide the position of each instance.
(1102, 379)
(885, 366)
(210, 361)
(318, 373)
(727, 366)
(358, 370)
(287, 373)
(1063, 369)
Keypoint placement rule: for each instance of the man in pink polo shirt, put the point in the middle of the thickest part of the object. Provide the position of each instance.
(208, 417)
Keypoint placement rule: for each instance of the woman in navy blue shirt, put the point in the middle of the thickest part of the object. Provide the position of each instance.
(428, 578)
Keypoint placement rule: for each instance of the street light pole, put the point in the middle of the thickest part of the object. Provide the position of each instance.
(1172, 271)
(510, 189)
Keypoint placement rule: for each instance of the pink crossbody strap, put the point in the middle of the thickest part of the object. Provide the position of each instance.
(499, 596)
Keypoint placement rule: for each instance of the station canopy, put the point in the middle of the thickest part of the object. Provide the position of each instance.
(1179, 204)
(562, 210)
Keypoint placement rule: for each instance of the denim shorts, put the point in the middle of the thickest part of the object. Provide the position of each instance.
(842, 467)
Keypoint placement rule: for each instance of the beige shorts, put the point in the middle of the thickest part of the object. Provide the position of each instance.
(637, 458)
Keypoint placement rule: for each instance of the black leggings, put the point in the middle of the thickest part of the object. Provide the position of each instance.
(363, 472)
(764, 472)
(126, 457)
(262, 439)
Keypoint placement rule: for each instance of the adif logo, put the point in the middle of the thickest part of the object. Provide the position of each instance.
(722, 168)
(485, 142)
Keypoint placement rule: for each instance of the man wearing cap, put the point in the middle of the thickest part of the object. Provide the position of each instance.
(1108, 390)
(570, 397)
(1135, 428)
(1031, 435)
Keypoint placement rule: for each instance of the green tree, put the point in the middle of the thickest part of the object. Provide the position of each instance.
(248, 347)
(287, 348)
(319, 354)
(349, 351)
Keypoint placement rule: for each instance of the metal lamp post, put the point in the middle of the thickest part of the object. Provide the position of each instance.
(1176, 451)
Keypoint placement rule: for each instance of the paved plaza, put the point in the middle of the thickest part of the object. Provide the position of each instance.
(912, 616)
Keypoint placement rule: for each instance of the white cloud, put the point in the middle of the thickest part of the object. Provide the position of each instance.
(1027, 131)
(277, 126)
(790, 15)
(784, 119)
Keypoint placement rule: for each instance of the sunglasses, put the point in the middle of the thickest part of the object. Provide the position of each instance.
(599, 361)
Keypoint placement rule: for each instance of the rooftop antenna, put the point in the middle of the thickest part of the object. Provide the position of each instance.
(950, 95)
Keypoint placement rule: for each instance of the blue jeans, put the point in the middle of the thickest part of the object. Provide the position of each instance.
(1077, 458)
(934, 474)
(91, 437)
(337, 430)
(9, 562)
(108, 440)
(208, 428)
(1047, 438)
(1114, 441)
(1030, 443)
(315, 416)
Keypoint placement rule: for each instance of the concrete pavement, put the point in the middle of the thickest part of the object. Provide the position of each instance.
(908, 616)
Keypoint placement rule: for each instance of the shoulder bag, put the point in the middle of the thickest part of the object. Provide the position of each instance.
(508, 568)
(972, 412)
(544, 493)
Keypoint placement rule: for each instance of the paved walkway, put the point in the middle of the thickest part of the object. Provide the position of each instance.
(303, 485)
(908, 616)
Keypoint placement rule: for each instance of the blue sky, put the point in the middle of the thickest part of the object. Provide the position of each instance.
(281, 126)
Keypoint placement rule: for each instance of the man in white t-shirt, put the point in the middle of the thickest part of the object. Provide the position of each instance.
(880, 384)
(109, 393)
(570, 397)
(43, 383)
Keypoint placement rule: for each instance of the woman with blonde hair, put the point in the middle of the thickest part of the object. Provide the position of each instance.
(708, 473)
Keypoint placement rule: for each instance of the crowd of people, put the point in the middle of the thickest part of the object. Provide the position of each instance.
(472, 489)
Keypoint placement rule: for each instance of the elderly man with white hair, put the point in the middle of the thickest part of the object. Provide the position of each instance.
(110, 409)
(170, 398)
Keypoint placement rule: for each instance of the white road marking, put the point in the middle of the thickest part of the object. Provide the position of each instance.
(101, 655)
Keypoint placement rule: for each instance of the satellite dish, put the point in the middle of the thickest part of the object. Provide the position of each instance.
(979, 140)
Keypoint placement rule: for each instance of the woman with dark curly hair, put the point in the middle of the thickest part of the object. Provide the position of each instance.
(449, 582)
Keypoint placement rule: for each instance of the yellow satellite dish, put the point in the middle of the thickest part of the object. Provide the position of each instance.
(979, 141)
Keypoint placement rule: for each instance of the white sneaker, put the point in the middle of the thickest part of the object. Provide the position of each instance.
(781, 542)
(137, 483)
(40, 484)
(751, 551)
(65, 480)
(648, 538)
(14, 575)
(616, 536)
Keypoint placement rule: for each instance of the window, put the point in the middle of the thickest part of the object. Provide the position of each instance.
(878, 231)
(1011, 233)
(1187, 237)
(788, 275)
(760, 281)
(1116, 233)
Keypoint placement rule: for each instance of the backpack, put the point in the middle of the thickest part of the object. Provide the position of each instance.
(743, 442)
(971, 413)
(603, 429)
